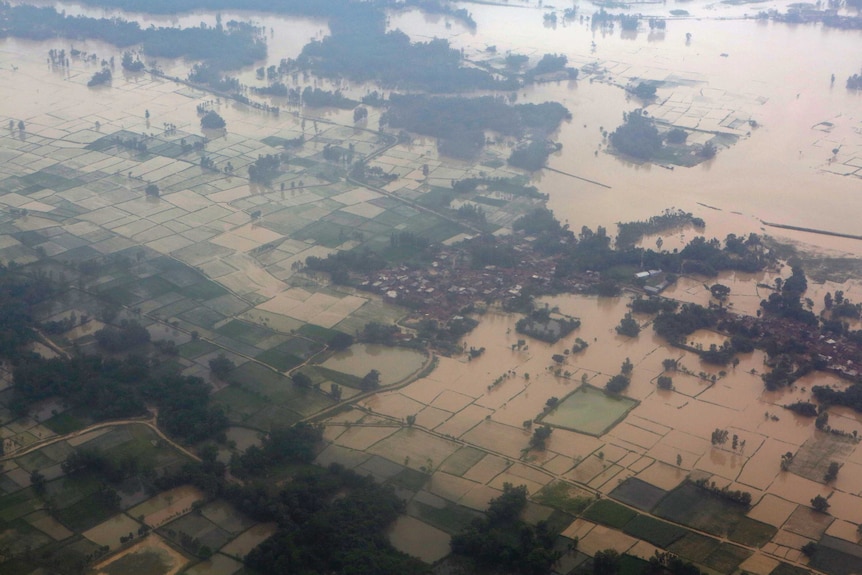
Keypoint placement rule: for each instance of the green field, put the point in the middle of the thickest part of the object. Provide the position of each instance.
(638, 493)
(700, 508)
(751, 532)
(609, 513)
(589, 410)
(659, 533)
(564, 496)
(694, 547)
(727, 558)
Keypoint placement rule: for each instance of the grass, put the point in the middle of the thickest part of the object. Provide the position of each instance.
(699, 508)
(86, 513)
(834, 562)
(788, 569)
(66, 422)
(462, 460)
(239, 404)
(451, 519)
(334, 376)
(631, 565)
(244, 332)
(410, 479)
(562, 496)
(651, 530)
(609, 513)
(317, 332)
(694, 547)
(196, 348)
(279, 360)
(751, 532)
(638, 494)
(727, 558)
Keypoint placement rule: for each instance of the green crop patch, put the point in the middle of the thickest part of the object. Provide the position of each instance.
(788, 569)
(638, 493)
(239, 404)
(565, 497)
(726, 558)
(751, 532)
(659, 533)
(702, 509)
(451, 518)
(694, 547)
(318, 333)
(609, 513)
(244, 332)
(196, 348)
(279, 360)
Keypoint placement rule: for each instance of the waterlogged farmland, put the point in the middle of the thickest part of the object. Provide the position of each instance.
(322, 258)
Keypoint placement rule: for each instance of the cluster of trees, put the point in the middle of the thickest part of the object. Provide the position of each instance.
(501, 542)
(339, 264)
(264, 169)
(295, 444)
(551, 64)
(360, 49)
(212, 120)
(630, 233)
(232, 47)
(786, 301)
(850, 397)
(127, 335)
(533, 155)
(461, 122)
(114, 389)
(637, 137)
(674, 326)
(101, 77)
(733, 495)
(540, 325)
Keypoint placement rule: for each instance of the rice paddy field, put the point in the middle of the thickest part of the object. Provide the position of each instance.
(214, 265)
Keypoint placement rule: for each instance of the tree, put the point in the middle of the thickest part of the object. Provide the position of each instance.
(38, 482)
(301, 380)
(627, 367)
(335, 391)
(540, 436)
(340, 341)
(371, 380)
(21, 126)
(628, 326)
(617, 384)
(719, 291)
(820, 504)
(832, 473)
(221, 366)
(664, 382)
(606, 562)
(212, 121)
(152, 190)
(411, 419)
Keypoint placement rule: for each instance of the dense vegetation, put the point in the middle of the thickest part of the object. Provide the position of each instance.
(118, 388)
(460, 123)
(500, 541)
(637, 136)
(233, 46)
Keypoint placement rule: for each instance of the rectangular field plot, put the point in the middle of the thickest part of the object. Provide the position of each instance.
(638, 494)
(197, 527)
(699, 508)
(589, 410)
(659, 533)
(609, 513)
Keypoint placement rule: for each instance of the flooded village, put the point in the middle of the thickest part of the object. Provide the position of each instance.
(578, 295)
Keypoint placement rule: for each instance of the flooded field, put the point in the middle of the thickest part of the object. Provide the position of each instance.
(589, 410)
(220, 263)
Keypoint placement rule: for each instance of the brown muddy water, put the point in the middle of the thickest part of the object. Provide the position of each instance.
(782, 171)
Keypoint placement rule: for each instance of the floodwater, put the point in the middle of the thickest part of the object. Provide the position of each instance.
(782, 171)
(394, 364)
